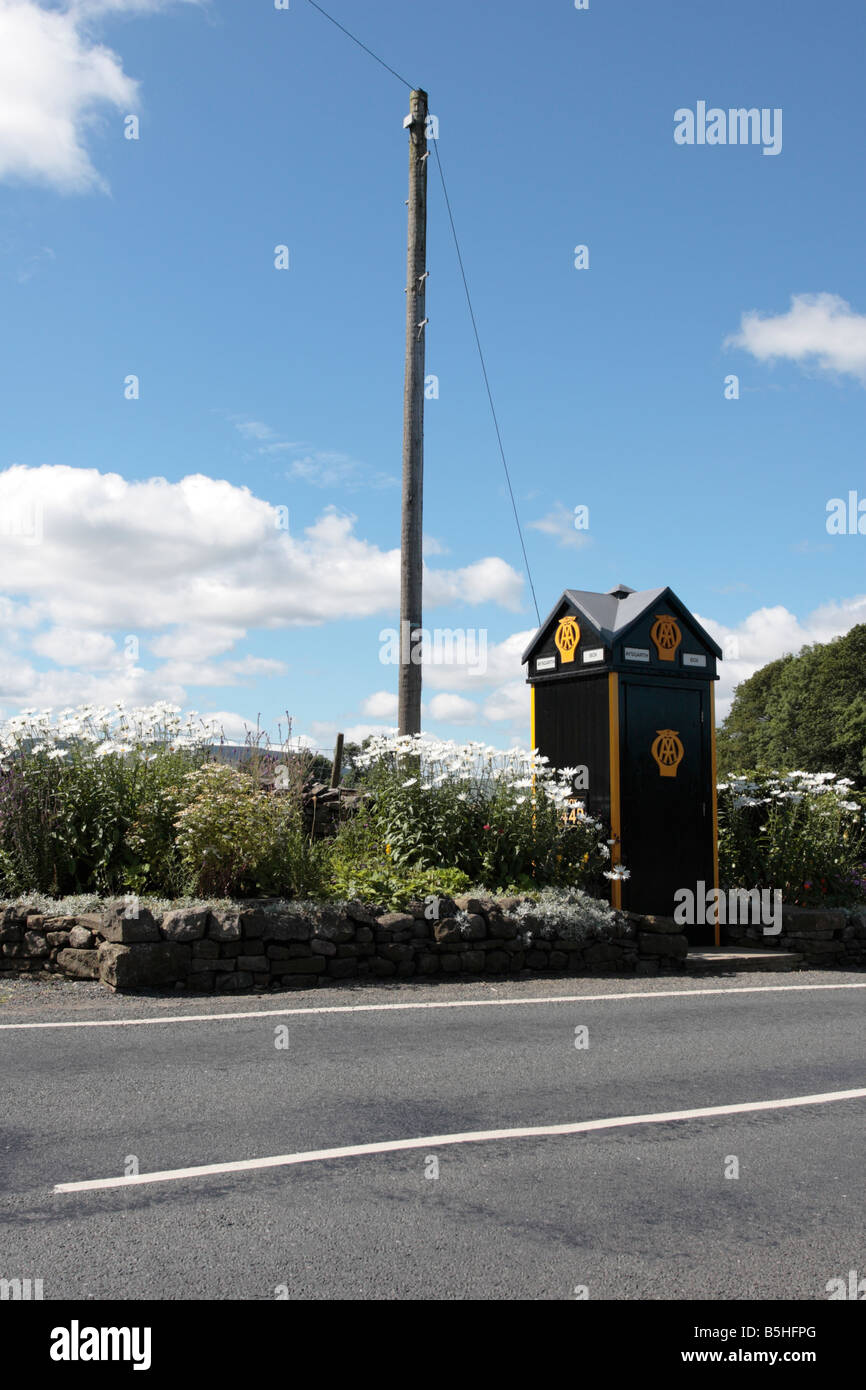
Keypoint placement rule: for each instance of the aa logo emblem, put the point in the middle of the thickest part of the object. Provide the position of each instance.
(668, 752)
(665, 633)
(567, 638)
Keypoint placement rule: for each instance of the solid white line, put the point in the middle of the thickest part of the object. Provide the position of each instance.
(432, 1141)
(428, 1004)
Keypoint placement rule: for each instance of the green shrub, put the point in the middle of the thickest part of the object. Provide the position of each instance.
(87, 803)
(236, 840)
(499, 817)
(798, 832)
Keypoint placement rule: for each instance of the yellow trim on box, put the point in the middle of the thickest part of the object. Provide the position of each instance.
(532, 716)
(714, 777)
(613, 728)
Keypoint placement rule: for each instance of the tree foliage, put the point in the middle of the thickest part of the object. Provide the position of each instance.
(804, 712)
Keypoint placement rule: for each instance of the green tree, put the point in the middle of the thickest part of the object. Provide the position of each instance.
(802, 712)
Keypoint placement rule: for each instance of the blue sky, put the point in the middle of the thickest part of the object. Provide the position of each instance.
(269, 389)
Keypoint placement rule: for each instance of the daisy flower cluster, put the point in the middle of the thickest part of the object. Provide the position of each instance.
(501, 816)
(793, 787)
(102, 730)
(799, 831)
(476, 766)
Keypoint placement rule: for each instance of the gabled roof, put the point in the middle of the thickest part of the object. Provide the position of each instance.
(612, 615)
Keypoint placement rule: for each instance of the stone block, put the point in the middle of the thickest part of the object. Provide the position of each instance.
(223, 925)
(343, 969)
(185, 924)
(395, 952)
(288, 926)
(323, 948)
(121, 930)
(662, 944)
(381, 968)
(395, 921)
(333, 925)
(79, 964)
(232, 984)
(447, 930)
(80, 939)
(660, 925)
(475, 929)
(253, 964)
(124, 966)
(496, 962)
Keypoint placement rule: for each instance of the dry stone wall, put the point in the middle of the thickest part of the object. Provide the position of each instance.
(257, 945)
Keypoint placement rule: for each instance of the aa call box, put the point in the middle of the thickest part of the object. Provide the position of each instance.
(622, 684)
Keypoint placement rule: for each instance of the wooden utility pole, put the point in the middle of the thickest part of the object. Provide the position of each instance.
(337, 765)
(409, 697)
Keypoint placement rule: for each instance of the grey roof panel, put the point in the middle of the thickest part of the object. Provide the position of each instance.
(611, 616)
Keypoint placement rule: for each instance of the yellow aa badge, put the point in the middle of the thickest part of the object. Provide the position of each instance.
(668, 752)
(665, 633)
(567, 638)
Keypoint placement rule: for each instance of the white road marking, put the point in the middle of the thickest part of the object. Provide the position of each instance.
(428, 1004)
(433, 1141)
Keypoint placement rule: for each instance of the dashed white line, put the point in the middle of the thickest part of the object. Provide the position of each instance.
(434, 1141)
(424, 1004)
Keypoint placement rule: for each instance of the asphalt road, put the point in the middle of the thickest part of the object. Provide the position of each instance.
(631, 1212)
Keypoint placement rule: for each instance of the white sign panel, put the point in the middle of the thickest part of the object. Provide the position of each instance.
(594, 654)
(637, 653)
(693, 659)
(546, 663)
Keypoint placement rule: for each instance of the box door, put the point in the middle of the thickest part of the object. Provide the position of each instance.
(666, 796)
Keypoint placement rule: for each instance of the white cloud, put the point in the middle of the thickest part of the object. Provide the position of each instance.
(768, 633)
(453, 709)
(381, 705)
(53, 80)
(334, 470)
(254, 429)
(321, 468)
(510, 703)
(186, 568)
(144, 556)
(501, 660)
(819, 330)
(490, 580)
(56, 82)
(92, 9)
(67, 646)
(559, 523)
(195, 643)
(223, 672)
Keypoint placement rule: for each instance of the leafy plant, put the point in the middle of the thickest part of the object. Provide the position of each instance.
(798, 832)
(87, 802)
(497, 817)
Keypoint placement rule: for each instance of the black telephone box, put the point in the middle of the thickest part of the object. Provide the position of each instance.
(622, 684)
